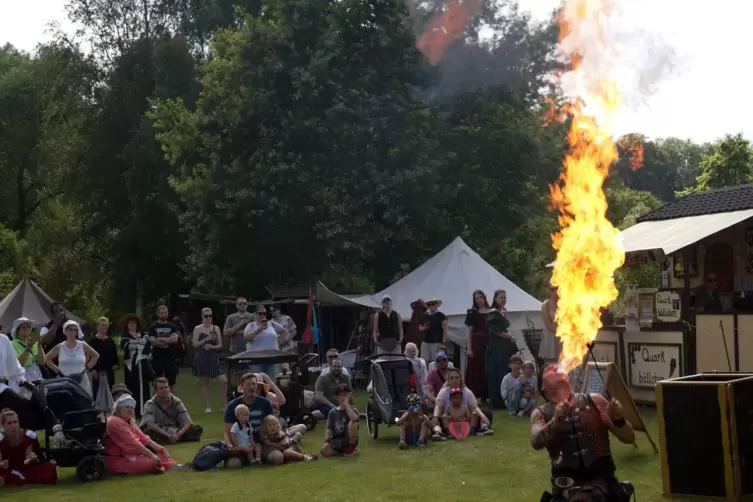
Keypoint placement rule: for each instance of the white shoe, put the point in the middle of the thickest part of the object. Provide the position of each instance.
(207, 410)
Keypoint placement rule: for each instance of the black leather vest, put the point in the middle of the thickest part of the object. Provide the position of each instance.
(576, 445)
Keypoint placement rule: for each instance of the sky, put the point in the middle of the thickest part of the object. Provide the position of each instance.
(700, 99)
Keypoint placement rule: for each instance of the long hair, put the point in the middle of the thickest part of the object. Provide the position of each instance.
(473, 299)
(460, 374)
(496, 295)
(267, 420)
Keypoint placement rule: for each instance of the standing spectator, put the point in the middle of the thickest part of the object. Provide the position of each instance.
(388, 329)
(502, 345)
(289, 344)
(235, 324)
(103, 374)
(136, 351)
(29, 352)
(182, 346)
(434, 328)
(73, 357)
(53, 334)
(207, 341)
(264, 335)
(477, 333)
(164, 338)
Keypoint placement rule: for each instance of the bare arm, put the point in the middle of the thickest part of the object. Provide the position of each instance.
(542, 432)
(402, 419)
(444, 332)
(319, 397)
(375, 328)
(279, 396)
(352, 415)
(49, 337)
(92, 355)
(625, 433)
(547, 318)
(230, 437)
(399, 328)
(250, 335)
(50, 357)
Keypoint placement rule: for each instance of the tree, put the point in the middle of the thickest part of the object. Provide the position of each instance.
(730, 162)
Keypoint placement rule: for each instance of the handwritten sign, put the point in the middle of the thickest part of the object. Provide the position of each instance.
(604, 352)
(646, 310)
(649, 363)
(667, 306)
(596, 381)
(749, 250)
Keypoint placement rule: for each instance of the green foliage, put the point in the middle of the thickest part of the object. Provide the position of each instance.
(729, 162)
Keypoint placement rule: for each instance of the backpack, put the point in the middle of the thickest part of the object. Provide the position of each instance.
(210, 456)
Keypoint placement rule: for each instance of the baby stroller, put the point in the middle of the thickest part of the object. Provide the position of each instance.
(73, 428)
(392, 380)
(291, 385)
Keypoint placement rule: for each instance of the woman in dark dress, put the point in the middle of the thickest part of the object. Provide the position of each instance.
(477, 342)
(103, 374)
(136, 349)
(502, 346)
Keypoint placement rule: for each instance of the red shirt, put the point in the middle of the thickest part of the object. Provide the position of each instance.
(15, 455)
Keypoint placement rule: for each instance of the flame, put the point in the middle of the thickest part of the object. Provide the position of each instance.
(588, 251)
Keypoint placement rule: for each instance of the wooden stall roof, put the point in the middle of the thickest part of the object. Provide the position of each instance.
(721, 200)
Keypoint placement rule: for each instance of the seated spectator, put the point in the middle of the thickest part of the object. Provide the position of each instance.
(436, 379)
(480, 427)
(458, 412)
(419, 367)
(331, 355)
(519, 391)
(324, 389)
(341, 436)
(242, 437)
(166, 419)
(127, 449)
(269, 389)
(442, 349)
(278, 447)
(295, 432)
(259, 408)
(118, 390)
(414, 424)
(19, 463)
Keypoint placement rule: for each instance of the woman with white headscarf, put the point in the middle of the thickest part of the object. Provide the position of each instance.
(127, 449)
(74, 357)
(30, 354)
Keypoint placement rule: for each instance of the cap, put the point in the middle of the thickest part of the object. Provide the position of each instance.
(120, 388)
(341, 388)
(386, 298)
(440, 355)
(456, 390)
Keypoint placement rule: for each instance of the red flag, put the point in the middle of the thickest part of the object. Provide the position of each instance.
(308, 334)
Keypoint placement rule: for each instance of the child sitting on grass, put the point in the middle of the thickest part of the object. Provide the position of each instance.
(241, 435)
(512, 386)
(278, 448)
(530, 389)
(414, 424)
(295, 432)
(457, 411)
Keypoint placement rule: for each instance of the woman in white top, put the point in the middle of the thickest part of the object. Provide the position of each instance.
(419, 366)
(550, 346)
(264, 335)
(72, 356)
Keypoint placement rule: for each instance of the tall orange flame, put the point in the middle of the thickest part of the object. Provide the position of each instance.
(588, 251)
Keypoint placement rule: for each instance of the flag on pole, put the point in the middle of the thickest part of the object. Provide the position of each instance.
(311, 333)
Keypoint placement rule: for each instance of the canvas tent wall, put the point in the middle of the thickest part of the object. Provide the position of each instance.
(28, 300)
(452, 275)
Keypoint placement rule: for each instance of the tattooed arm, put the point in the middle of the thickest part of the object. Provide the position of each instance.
(541, 431)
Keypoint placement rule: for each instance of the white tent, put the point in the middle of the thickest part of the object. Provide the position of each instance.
(453, 275)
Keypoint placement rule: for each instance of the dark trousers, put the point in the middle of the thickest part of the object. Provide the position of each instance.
(192, 435)
(138, 389)
(165, 365)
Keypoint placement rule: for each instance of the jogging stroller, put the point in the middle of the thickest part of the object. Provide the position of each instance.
(392, 380)
(72, 427)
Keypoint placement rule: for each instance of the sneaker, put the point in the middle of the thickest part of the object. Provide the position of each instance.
(438, 436)
(521, 413)
(421, 444)
(350, 451)
(207, 410)
(256, 461)
(309, 458)
(484, 431)
(402, 445)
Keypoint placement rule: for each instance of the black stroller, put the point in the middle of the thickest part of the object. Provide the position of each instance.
(291, 385)
(73, 427)
(392, 380)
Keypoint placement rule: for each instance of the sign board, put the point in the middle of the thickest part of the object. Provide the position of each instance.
(604, 379)
(667, 306)
(646, 309)
(749, 250)
(604, 352)
(649, 363)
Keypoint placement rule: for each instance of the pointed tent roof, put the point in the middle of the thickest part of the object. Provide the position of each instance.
(452, 275)
(30, 301)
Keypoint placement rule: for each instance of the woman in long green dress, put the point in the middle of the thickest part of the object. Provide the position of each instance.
(501, 347)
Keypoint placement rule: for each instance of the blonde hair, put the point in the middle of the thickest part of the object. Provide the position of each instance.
(410, 345)
(240, 408)
(5, 414)
(103, 320)
(268, 420)
(529, 363)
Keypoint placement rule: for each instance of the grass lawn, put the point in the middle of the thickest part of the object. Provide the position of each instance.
(502, 467)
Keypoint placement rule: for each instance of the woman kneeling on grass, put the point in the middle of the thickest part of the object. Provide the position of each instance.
(127, 449)
(277, 447)
(19, 464)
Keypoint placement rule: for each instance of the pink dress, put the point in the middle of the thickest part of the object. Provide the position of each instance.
(123, 449)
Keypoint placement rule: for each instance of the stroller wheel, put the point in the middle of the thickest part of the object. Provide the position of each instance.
(309, 421)
(371, 420)
(91, 468)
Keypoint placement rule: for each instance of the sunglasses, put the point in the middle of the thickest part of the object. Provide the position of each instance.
(441, 360)
(262, 314)
(241, 304)
(207, 316)
(332, 357)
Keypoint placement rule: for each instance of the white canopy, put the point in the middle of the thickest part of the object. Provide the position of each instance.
(452, 276)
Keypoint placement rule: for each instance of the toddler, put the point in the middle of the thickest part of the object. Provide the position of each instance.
(295, 432)
(414, 424)
(530, 389)
(278, 448)
(241, 435)
(457, 411)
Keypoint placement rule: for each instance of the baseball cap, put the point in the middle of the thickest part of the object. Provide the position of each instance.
(456, 390)
(386, 297)
(341, 388)
(440, 355)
